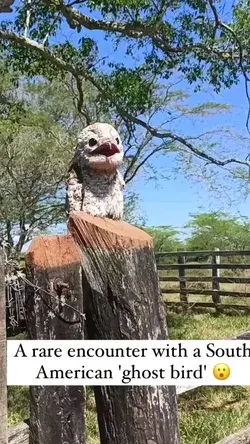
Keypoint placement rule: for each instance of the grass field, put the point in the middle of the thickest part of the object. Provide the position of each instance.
(207, 414)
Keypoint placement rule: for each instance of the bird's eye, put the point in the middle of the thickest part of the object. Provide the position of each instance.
(117, 140)
(92, 142)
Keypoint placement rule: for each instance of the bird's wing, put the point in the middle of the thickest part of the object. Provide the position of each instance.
(74, 191)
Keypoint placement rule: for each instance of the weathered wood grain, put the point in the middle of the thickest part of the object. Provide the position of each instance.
(3, 358)
(57, 412)
(215, 283)
(123, 301)
(18, 434)
(183, 285)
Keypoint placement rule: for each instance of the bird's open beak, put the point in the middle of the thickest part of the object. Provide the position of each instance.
(106, 149)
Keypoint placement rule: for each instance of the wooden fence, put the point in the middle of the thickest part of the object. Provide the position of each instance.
(183, 262)
(176, 262)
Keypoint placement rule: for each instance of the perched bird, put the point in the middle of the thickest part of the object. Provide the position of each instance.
(95, 184)
(5, 5)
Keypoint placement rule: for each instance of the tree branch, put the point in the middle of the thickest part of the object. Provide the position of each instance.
(28, 16)
(106, 93)
(5, 5)
(221, 25)
(76, 19)
(154, 151)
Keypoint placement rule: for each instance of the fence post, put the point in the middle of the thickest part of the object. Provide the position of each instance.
(182, 278)
(54, 270)
(3, 358)
(215, 275)
(123, 301)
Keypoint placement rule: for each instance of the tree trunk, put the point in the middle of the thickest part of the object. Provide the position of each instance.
(19, 434)
(57, 413)
(3, 360)
(123, 301)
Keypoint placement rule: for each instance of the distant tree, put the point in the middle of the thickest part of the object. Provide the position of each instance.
(165, 238)
(39, 123)
(33, 154)
(132, 210)
(218, 230)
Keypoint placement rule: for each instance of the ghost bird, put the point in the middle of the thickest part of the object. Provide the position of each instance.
(5, 5)
(95, 185)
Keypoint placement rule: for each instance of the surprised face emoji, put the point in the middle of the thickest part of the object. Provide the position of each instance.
(221, 371)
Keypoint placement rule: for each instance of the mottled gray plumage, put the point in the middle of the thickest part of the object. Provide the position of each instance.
(95, 184)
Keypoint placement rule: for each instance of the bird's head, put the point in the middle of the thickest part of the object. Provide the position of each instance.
(99, 148)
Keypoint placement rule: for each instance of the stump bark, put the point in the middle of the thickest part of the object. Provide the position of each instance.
(3, 358)
(123, 301)
(19, 434)
(54, 270)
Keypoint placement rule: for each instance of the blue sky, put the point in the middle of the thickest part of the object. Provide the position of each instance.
(171, 201)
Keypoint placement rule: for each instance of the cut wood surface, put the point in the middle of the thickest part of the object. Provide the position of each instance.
(52, 252)
(107, 234)
(55, 311)
(123, 301)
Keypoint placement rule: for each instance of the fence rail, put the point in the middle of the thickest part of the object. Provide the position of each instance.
(15, 287)
(188, 261)
(204, 253)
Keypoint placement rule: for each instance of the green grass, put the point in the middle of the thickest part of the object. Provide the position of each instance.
(207, 414)
(206, 325)
(18, 404)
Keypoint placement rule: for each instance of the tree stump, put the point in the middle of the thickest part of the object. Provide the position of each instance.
(3, 358)
(123, 301)
(57, 413)
(18, 434)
